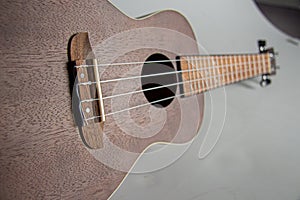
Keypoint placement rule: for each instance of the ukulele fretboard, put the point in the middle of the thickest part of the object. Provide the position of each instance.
(203, 73)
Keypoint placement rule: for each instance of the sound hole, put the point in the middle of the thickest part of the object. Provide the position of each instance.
(160, 88)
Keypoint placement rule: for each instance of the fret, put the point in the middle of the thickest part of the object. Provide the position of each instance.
(216, 61)
(230, 63)
(235, 75)
(255, 65)
(240, 61)
(227, 70)
(221, 63)
(213, 69)
(207, 75)
(218, 71)
(236, 69)
(241, 67)
(190, 77)
(198, 77)
(202, 64)
(211, 72)
(238, 66)
(220, 82)
(233, 63)
(193, 75)
(258, 57)
(245, 67)
(267, 62)
(264, 65)
(231, 69)
(185, 76)
(201, 74)
(249, 66)
(204, 75)
(266, 57)
(258, 64)
(221, 76)
(197, 73)
(227, 67)
(221, 68)
(194, 72)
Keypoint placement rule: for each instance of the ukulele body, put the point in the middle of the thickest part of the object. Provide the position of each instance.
(42, 154)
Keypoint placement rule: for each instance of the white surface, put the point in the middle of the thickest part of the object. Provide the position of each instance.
(258, 154)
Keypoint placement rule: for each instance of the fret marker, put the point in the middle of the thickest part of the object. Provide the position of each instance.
(82, 75)
(87, 110)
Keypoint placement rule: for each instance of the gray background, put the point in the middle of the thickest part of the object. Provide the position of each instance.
(258, 153)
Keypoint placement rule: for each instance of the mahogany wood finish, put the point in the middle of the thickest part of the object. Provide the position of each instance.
(80, 49)
(42, 153)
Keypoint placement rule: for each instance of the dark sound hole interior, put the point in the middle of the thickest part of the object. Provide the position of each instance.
(166, 82)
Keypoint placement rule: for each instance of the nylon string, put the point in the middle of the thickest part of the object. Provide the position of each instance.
(160, 100)
(169, 73)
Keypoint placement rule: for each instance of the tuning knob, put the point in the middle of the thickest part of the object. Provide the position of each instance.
(262, 45)
(265, 81)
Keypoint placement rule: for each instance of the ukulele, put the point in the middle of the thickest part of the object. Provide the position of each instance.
(85, 90)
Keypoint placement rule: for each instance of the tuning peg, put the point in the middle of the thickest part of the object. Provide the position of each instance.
(262, 45)
(265, 81)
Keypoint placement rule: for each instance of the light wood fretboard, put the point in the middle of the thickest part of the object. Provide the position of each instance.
(203, 73)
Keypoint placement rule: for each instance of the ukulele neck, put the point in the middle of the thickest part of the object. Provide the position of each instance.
(202, 73)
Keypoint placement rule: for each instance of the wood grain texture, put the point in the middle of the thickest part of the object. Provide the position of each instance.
(42, 155)
(80, 50)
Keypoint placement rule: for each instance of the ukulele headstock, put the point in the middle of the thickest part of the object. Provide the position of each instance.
(265, 81)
